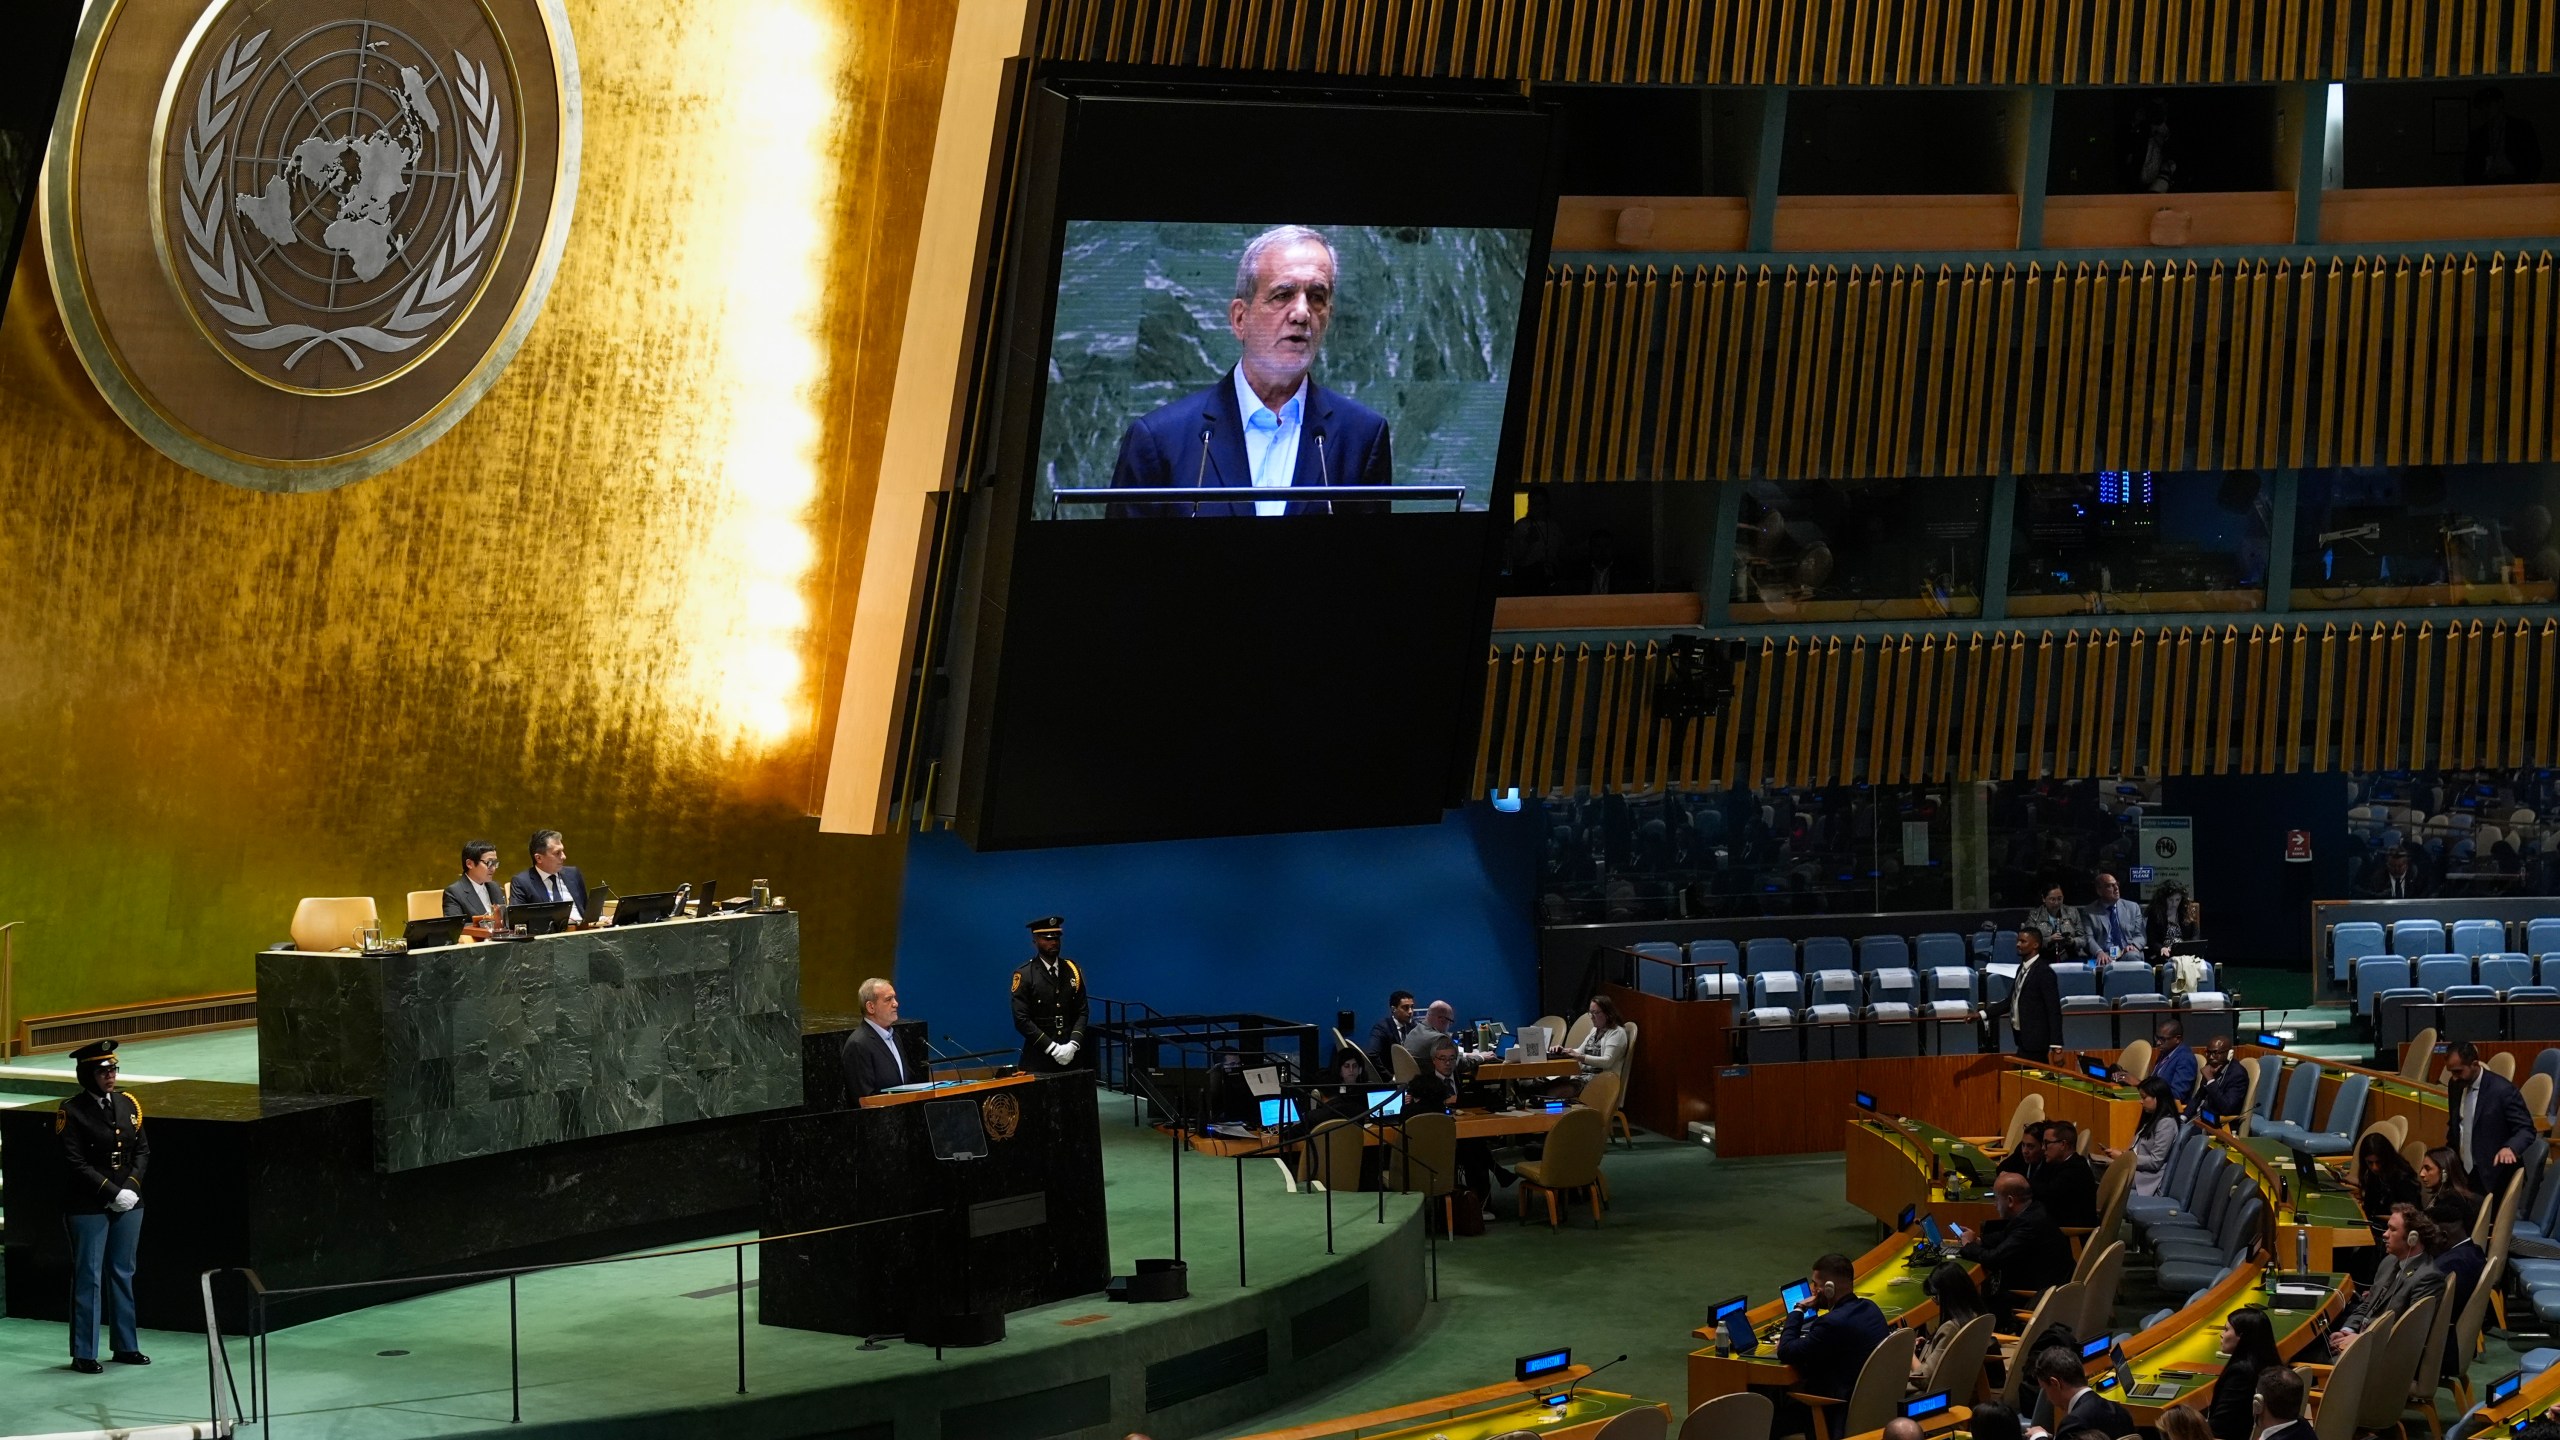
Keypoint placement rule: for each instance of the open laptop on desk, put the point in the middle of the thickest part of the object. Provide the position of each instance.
(434, 931)
(645, 909)
(548, 918)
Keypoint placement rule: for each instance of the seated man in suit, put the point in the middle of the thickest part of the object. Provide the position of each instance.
(550, 877)
(2460, 1258)
(1390, 1032)
(2396, 878)
(1826, 1339)
(874, 1058)
(2058, 1374)
(2486, 1122)
(2023, 1249)
(2280, 1395)
(2065, 1185)
(2222, 1088)
(1264, 424)
(477, 892)
(2172, 1061)
(2028, 1158)
(2114, 925)
(2407, 1275)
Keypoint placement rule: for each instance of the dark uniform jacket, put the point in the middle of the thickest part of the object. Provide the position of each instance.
(2036, 1016)
(1048, 1008)
(2095, 1411)
(103, 1143)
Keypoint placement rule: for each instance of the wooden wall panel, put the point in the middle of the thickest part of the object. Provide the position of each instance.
(2093, 700)
(1819, 42)
(1897, 369)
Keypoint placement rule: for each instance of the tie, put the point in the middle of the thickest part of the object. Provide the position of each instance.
(2396, 891)
(2115, 936)
(556, 892)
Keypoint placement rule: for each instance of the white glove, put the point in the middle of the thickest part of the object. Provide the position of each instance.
(1067, 1053)
(1058, 1052)
(125, 1200)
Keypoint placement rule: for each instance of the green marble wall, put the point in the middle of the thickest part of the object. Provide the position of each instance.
(1422, 333)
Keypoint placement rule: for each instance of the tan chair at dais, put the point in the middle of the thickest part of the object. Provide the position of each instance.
(1579, 1031)
(2536, 1091)
(1426, 1163)
(426, 904)
(2135, 1061)
(2420, 1057)
(2429, 1376)
(2338, 1404)
(2239, 1124)
(2467, 1325)
(1879, 1389)
(1571, 1162)
(2028, 1111)
(330, 922)
(1601, 1093)
(2060, 1303)
(2414, 1152)
(1646, 1423)
(1955, 1363)
(2386, 1390)
(1368, 1063)
(1401, 1061)
(1739, 1416)
(1332, 1156)
(2098, 1302)
(1554, 1026)
(2504, 1062)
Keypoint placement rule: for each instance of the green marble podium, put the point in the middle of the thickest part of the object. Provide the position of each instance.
(478, 1049)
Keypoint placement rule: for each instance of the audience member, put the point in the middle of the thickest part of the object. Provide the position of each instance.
(2154, 1131)
(2222, 1088)
(2023, 1248)
(2057, 1374)
(2173, 1062)
(2394, 879)
(2114, 926)
(1436, 1088)
(2460, 1258)
(2279, 1405)
(1826, 1339)
(2439, 1180)
(2248, 1351)
(2066, 1185)
(1438, 1023)
(1391, 1031)
(2182, 1422)
(1601, 1052)
(2405, 1277)
(1993, 1420)
(2486, 1123)
(2028, 1158)
(2056, 924)
(1959, 1301)
(2035, 1005)
(2383, 1179)
(1902, 1427)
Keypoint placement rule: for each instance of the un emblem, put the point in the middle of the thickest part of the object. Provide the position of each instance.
(356, 208)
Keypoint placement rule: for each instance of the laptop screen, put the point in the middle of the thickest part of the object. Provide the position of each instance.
(1278, 1110)
(1929, 1228)
(1727, 1309)
(2094, 1069)
(1388, 1103)
(1796, 1294)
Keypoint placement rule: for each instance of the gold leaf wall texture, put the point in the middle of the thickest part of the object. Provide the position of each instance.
(1994, 704)
(1746, 371)
(1821, 42)
(613, 600)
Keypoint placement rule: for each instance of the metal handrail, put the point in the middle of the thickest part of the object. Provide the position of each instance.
(261, 1407)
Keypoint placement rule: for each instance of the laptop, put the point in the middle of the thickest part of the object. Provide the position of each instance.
(435, 930)
(645, 909)
(706, 897)
(1278, 1111)
(1387, 1102)
(548, 918)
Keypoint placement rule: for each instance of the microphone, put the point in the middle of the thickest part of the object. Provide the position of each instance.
(1200, 474)
(1324, 471)
(1569, 1389)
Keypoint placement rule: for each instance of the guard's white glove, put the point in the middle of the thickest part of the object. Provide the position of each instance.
(1058, 1052)
(1067, 1053)
(125, 1200)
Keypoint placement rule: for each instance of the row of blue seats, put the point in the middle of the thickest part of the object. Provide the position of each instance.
(1839, 1031)
(2416, 939)
(1987, 986)
(1822, 952)
(2437, 974)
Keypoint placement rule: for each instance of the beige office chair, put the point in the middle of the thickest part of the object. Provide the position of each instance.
(1332, 1156)
(1955, 1362)
(1601, 1093)
(2060, 1303)
(2028, 1111)
(2420, 1056)
(1626, 1073)
(2413, 1151)
(2135, 1061)
(330, 922)
(1743, 1415)
(2466, 1330)
(2504, 1062)
(1645, 1423)
(1580, 1030)
(2239, 1124)
(1426, 1163)
(2113, 1189)
(1368, 1063)
(2098, 1300)
(426, 904)
(1401, 1061)
(2421, 1395)
(2338, 1402)
(2536, 1091)
(1571, 1162)
(1554, 1026)
(2384, 1391)
(1879, 1389)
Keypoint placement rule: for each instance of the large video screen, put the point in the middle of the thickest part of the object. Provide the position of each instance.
(1294, 356)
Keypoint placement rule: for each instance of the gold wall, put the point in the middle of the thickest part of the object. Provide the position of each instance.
(613, 600)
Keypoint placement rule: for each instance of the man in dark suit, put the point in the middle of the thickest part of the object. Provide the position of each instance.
(1389, 1033)
(2035, 1007)
(1264, 424)
(2486, 1123)
(2023, 1249)
(550, 877)
(1827, 1338)
(477, 892)
(2060, 1376)
(2224, 1090)
(2064, 1184)
(875, 1059)
(2462, 1261)
(2280, 1405)
(2407, 1274)
(2396, 878)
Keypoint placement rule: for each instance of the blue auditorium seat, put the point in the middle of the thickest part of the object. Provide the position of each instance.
(2413, 938)
(1715, 984)
(1769, 953)
(2351, 942)
(2376, 974)
(2441, 972)
(1891, 1028)
(1769, 1027)
(2075, 979)
(1953, 1026)
(2469, 1012)
(1827, 952)
(1842, 987)
(2336, 1133)
(1938, 948)
(2301, 1091)
(1658, 979)
(2270, 1080)
(1953, 982)
(2086, 1025)
(1883, 952)
(2137, 1016)
(2549, 969)
(2207, 1014)
(2542, 936)
(2476, 938)
(2505, 971)
(2126, 977)
(1898, 986)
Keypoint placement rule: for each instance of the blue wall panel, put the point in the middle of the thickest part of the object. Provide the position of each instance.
(1296, 926)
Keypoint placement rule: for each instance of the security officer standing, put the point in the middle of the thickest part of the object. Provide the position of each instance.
(1048, 1003)
(103, 1143)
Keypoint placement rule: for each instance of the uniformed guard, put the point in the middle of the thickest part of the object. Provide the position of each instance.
(1048, 1003)
(103, 1143)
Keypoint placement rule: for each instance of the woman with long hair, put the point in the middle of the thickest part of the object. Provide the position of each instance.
(2153, 1133)
(1959, 1300)
(2249, 1350)
(2440, 1178)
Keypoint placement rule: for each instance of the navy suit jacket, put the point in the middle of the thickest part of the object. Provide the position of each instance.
(2505, 1124)
(527, 888)
(1344, 443)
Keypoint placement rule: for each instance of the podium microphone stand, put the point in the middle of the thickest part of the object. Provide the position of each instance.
(1159, 1279)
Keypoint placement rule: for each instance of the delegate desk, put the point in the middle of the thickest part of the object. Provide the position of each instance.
(1484, 1413)
(2185, 1350)
(1882, 1277)
(1023, 1225)
(1472, 1125)
(2386, 1094)
(2102, 1105)
(2332, 1219)
(1895, 1163)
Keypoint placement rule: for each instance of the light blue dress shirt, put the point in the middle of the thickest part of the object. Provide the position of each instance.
(1271, 440)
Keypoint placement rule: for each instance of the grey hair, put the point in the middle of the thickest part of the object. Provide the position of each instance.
(870, 990)
(1249, 268)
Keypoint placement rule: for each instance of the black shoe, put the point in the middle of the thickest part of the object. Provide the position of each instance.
(87, 1367)
(132, 1357)
(1505, 1176)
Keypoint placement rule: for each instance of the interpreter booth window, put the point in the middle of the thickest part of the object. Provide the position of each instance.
(2132, 542)
(2426, 535)
(1859, 550)
(2456, 833)
(1737, 853)
(2401, 134)
(2044, 833)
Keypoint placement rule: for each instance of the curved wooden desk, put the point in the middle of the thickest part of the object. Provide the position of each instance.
(1481, 1414)
(2186, 1349)
(2110, 1109)
(1882, 1277)
(1895, 1162)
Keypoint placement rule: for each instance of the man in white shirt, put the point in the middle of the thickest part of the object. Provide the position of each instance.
(477, 892)
(550, 878)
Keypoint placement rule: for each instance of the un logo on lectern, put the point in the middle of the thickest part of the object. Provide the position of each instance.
(355, 210)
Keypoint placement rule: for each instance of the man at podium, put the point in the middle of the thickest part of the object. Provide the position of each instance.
(875, 1059)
